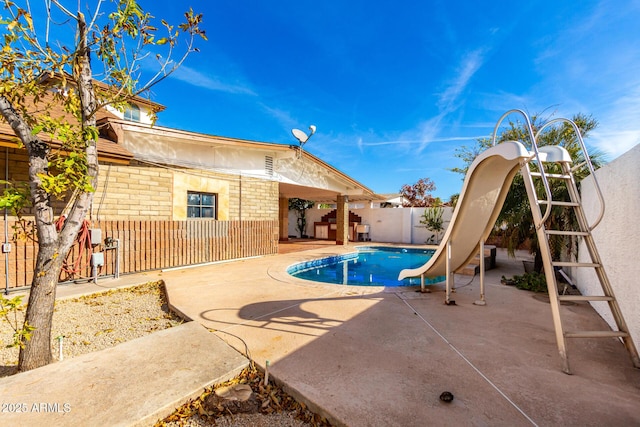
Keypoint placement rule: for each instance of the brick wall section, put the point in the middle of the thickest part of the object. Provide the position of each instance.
(259, 200)
(141, 191)
(133, 192)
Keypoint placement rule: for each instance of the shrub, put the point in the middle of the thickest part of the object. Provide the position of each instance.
(534, 281)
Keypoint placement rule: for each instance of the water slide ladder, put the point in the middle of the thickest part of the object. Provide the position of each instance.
(541, 207)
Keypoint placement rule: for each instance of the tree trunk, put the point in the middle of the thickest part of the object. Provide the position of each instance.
(53, 246)
(538, 264)
(37, 351)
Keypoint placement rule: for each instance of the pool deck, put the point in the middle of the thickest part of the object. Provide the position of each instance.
(382, 356)
(376, 356)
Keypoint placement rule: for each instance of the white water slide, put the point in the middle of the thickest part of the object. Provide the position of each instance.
(483, 193)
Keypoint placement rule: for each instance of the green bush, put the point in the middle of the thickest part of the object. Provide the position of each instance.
(534, 281)
(9, 309)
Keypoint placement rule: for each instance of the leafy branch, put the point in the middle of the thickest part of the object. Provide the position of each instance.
(9, 309)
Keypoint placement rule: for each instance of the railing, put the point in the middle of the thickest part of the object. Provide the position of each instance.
(148, 245)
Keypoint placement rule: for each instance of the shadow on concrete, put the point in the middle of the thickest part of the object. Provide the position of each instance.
(389, 363)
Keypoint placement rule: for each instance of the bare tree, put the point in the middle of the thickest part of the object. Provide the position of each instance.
(37, 76)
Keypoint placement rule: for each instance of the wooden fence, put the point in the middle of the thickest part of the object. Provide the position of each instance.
(147, 245)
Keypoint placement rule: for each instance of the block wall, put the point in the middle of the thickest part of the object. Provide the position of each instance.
(146, 192)
(133, 192)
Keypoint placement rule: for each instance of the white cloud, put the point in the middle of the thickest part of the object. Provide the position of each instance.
(418, 141)
(468, 67)
(209, 82)
(614, 143)
(282, 116)
(618, 127)
(448, 102)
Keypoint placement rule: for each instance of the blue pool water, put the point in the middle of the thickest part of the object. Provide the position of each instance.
(370, 266)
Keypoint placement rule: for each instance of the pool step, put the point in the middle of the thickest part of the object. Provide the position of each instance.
(474, 267)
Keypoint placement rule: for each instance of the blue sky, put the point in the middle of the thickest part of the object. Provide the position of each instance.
(394, 87)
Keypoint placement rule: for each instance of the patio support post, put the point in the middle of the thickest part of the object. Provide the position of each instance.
(283, 219)
(342, 220)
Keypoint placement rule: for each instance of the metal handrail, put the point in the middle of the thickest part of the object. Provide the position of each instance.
(587, 162)
(534, 146)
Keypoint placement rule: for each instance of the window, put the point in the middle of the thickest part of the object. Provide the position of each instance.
(201, 205)
(132, 113)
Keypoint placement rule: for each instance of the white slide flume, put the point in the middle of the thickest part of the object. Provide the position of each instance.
(483, 193)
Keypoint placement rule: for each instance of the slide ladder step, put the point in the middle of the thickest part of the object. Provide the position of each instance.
(567, 233)
(596, 334)
(554, 203)
(585, 298)
(551, 175)
(575, 264)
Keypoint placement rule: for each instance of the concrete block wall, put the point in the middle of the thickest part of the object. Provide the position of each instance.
(239, 197)
(388, 225)
(133, 192)
(617, 237)
(259, 200)
(139, 191)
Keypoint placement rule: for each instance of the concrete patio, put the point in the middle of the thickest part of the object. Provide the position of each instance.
(375, 356)
(370, 356)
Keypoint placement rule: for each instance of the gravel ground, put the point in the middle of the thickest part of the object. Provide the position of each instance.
(98, 321)
(276, 407)
(242, 420)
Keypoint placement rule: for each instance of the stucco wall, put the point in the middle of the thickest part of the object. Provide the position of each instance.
(617, 237)
(389, 225)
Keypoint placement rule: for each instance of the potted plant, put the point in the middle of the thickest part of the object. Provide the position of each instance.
(432, 220)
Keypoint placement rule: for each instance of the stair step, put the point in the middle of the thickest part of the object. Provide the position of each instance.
(473, 267)
(596, 334)
(585, 298)
(476, 261)
(490, 250)
(575, 264)
(469, 270)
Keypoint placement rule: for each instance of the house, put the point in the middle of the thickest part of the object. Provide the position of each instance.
(168, 197)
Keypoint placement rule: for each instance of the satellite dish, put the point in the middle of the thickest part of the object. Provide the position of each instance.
(300, 136)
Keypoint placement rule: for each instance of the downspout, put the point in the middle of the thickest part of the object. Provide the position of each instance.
(6, 226)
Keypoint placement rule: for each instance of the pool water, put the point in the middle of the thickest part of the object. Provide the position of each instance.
(370, 266)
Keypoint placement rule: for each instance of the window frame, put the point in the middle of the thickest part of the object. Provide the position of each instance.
(131, 112)
(201, 205)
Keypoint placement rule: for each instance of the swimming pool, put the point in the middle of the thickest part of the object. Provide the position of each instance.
(370, 266)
